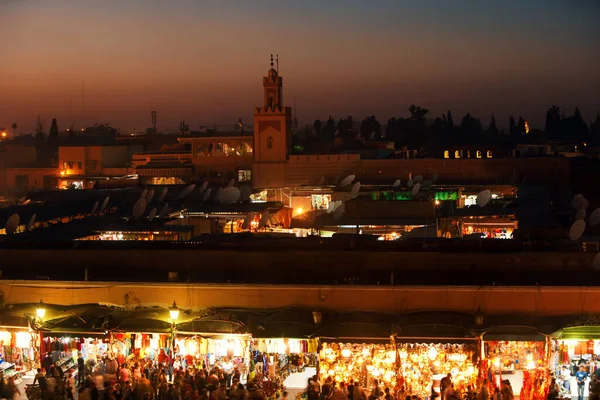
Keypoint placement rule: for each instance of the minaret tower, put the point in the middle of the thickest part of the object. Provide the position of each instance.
(272, 132)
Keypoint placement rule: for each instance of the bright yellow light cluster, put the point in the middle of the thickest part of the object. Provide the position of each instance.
(423, 365)
(361, 362)
(416, 367)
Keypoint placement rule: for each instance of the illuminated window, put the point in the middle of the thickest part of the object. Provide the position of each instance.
(478, 153)
(269, 142)
(244, 175)
(468, 153)
(320, 201)
(457, 154)
(446, 154)
(489, 154)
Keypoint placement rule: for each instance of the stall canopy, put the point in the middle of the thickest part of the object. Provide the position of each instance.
(514, 333)
(578, 333)
(296, 324)
(202, 326)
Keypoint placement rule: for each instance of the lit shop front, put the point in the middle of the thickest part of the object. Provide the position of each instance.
(412, 368)
(18, 352)
(575, 347)
(227, 351)
(511, 360)
(289, 362)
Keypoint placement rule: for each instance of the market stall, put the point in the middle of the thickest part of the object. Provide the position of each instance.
(413, 368)
(574, 347)
(290, 361)
(514, 354)
(18, 352)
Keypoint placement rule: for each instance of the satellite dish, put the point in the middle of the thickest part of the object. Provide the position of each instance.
(186, 191)
(231, 183)
(204, 186)
(596, 263)
(206, 194)
(230, 195)
(426, 184)
(245, 192)
(483, 198)
(139, 208)
(339, 211)
(397, 183)
(152, 214)
(409, 183)
(163, 194)
(217, 196)
(578, 201)
(104, 203)
(331, 207)
(586, 203)
(321, 181)
(264, 218)
(580, 214)
(347, 180)
(418, 179)
(415, 189)
(144, 194)
(595, 217)
(31, 222)
(94, 208)
(337, 204)
(150, 196)
(249, 218)
(12, 224)
(355, 189)
(577, 229)
(163, 210)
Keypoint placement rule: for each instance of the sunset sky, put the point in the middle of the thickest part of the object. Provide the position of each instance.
(203, 60)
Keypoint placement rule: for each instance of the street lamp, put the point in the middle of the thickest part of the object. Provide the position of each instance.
(174, 312)
(40, 311)
(479, 317)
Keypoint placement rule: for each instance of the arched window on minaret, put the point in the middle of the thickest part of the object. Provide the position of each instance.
(269, 142)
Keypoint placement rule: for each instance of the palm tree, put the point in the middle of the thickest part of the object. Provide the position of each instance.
(14, 127)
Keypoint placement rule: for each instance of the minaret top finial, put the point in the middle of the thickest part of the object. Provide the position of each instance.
(271, 60)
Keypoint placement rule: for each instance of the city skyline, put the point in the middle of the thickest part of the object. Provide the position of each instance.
(203, 63)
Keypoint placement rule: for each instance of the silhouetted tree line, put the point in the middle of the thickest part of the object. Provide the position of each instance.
(418, 132)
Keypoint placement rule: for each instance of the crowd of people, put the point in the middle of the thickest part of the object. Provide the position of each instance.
(146, 380)
(354, 390)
